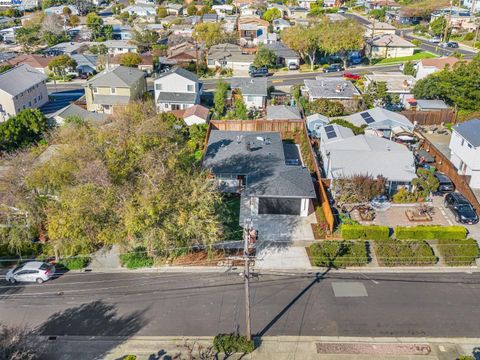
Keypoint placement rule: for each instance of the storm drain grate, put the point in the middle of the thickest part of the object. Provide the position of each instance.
(373, 349)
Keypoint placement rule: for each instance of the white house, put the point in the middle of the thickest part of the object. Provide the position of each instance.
(176, 90)
(196, 114)
(58, 10)
(229, 56)
(222, 10)
(426, 67)
(280, 24)
(397, 84)
(465, 150)
(117, 47)
(389, 46)
(141, 10)
(254, 91)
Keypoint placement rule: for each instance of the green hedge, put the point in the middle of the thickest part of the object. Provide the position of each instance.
(75, 263)
(232, 343)
(458, 252)
(136, 259)
(430, 232)
(360, 232)
(338, 254)
(404, 253)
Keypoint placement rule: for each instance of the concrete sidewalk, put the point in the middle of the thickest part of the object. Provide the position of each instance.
(278, 348)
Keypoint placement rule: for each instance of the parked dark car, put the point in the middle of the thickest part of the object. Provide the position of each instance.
(446, 185)
(450, 44)
(333, 68)
(258, 72)
(461, 208)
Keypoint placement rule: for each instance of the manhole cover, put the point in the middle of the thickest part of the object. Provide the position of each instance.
(373, 349)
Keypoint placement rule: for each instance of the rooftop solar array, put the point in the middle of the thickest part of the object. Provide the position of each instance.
(330, 131)
(367, 117)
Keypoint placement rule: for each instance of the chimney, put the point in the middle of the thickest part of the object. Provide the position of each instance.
(405, 84)
(338, 88)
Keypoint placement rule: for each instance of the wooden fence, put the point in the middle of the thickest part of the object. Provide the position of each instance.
(424, 118)
(286, 128)
(444, 165)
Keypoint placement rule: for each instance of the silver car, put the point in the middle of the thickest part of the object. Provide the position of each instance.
(32, 271)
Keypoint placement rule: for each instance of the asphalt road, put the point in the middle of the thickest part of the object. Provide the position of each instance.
(196, 304)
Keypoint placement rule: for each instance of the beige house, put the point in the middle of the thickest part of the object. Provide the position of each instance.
(389, 46)
(113, 88)
(22, 87)
(379, 28)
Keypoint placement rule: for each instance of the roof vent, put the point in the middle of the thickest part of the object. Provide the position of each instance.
(338, 88)
(260, 138)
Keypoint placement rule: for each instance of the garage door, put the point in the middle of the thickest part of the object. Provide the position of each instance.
(279, 206)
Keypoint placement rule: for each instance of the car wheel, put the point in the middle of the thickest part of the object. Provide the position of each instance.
(39, 281)
(12, 281)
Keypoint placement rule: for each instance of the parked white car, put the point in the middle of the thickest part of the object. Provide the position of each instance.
(32, 271)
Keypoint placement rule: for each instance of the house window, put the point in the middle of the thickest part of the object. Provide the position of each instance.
(166, 106)
(190, 88)
(95, 90)
(158, 87)
(30, 104)
(463, 142)
(211, 62)
(113, 90)
(249, 98)
(469, 145)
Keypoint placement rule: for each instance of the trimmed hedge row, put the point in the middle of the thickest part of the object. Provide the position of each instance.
(458, 252)
(404, 253)
(360, 232)
(338, 254)
(430, 232)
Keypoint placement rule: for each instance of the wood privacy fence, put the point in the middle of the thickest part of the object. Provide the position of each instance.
(444, 165)
(424, 118)
(286, 128)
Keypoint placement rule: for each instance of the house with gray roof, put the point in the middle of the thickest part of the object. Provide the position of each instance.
(285, 56)
(177, 89)
(315, 122)
(114, 88)
(268, 172)
(86, 63)
(229, 56)
(332, 88)
(283, 112)
(74, 110)
(346, 156)
(280, 24)
(22, 87)
(117, 47)
(465, 150)
(253, 90)
(431, 105)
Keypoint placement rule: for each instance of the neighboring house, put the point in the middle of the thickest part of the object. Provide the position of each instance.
(252, 31)
(315, 122)
(285, 56)
(140, 10)
(473, 5)
(380, 121)
(145, 65)
(222, 10)
(389, 46)
(426, 67)
(402, 17)
(229, 23)
(185, 30)
(122, 32)
(465, 150)
(283, 112)
(334, 88)
(21, 88)
(345, 155)
(253, 90)
(210, 18)
(380, 5)
(297, 13)
(173, 9)
(267, 172)
(379, 28)
(459, 19)
(185, 52)
(249, 11)
(117, 47)
(76, 110)
(114, 88)
(36, 61)
(280, 24)
(196, 114)
(229, 56)
(8, 34)
(308, 3)
(68, 48)
(158, 28)
(177, 89)
(86, 64)
(58, 10)
(397, 84)
(431, 105)
(283, 8)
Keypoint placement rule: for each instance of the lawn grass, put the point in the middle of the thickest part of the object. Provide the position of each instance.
(417, 56)
(229, 213)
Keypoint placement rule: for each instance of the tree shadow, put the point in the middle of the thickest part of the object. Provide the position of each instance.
(7, 289)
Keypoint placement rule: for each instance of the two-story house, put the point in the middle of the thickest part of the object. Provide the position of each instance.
(114, 88)
(465, 150)
(251, 31)
(253, 90)
(22, 87)
(177, 89)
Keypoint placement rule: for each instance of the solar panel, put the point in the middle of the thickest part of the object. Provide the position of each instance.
(331, 135)
(329, 128)
(369, 120)
(365, 114)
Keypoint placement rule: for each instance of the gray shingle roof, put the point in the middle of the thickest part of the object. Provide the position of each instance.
(20, 78)
(184, 98)
(470, 131)
(250, 86)
(380, 119)
(182, 72)
(283, 112)
(331, 88)
(281, 50)
(260, 156)
(432, 104)
(120, 76)
(75, 110)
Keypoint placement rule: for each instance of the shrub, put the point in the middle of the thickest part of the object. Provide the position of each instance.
(458, 252)
(404, 253)
(136, 259)
(75, 263)
(338, 254)
(360, 232)
(130, 357)
(469, 36)
(430, 232)
(232, 343)
(404, 196)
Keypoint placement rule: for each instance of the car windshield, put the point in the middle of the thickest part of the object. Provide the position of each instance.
(45, 266)
(18, 268)
(465, 207)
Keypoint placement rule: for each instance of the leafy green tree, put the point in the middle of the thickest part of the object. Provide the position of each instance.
(220, 97)
(95, 24)
(425, 183)
(130, 59)
(28, 37)
(241, 111)
(191, 10)
(99, 49)
(162, 12)
(5, 67)
(73, 20)
(209, 33)
(409, 68)
(303, 40)
(145, 40)
(265, 57)
(326, 107)
(271, 14)
(437, 26)
(61, 64)
(27, 127)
